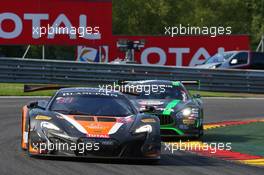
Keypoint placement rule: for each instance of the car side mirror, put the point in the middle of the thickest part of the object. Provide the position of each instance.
(196, 96)
(148, 109)
(34, 104)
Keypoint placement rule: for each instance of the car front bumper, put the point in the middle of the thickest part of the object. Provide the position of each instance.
(140, 146)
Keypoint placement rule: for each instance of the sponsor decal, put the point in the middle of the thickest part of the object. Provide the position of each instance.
(148, 120)
(151, 102)
(42, 117)
(98, 135)
(65, 94)
(90, 54)
(97, 128)
(94, 128)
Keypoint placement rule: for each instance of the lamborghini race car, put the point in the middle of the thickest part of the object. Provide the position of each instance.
(180, 114)
(88, 122)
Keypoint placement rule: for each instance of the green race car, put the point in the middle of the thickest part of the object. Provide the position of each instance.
(180, 114)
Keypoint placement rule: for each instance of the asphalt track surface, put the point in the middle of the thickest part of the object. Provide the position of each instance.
(15, 161)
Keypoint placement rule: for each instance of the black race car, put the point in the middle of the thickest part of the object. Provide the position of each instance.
(88, 122)
(180, 114)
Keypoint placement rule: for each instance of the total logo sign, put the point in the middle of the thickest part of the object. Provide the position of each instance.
(179, 53)
(171, 56)
(60, 26)
(54, 23)
(150, 56)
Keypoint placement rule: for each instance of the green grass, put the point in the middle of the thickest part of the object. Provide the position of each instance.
(12, 89)
(248, 139)
(8, 89)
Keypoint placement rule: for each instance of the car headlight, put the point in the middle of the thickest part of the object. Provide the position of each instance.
(188, 112)
(49, 125)
(145, 128)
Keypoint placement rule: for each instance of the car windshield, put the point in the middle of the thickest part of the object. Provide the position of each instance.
(169, 93)
(92, 105)
(219, 58)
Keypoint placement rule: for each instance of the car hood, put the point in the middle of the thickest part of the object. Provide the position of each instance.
(92, 126)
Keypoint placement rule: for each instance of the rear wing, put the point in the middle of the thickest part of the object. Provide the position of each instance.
(192, 85)
(184, 82)
(190, 82)
(33, 88)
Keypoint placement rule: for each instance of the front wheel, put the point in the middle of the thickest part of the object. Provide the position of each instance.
(152, 161)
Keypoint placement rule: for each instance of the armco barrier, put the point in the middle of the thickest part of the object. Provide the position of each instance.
(15, 70)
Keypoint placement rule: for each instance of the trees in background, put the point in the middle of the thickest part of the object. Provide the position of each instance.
(147, 17)
(35, 51)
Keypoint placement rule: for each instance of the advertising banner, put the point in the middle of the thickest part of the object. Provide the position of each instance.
(71, 22)
(88, 24)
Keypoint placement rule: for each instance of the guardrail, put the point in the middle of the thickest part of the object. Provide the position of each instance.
(15, 70)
